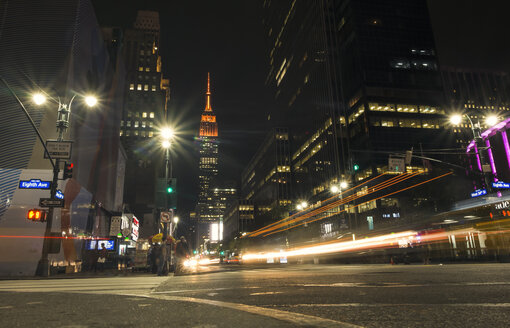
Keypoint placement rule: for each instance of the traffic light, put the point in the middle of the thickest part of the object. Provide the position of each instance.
(68, 170)
(355, 167)
(171, 190)
(36, 215)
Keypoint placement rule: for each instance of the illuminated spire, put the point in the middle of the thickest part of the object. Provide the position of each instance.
(208, 125)
(208, 94)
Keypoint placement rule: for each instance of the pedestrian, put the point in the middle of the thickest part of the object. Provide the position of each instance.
(103, 253)
(181, 254)
(163, 262)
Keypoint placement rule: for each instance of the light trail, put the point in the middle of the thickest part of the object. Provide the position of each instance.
(404, 239)
(338, 212)
(383, 185)
(53, 237)
(298, 213)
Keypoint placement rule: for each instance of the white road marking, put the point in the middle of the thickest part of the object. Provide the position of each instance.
(266, 293)
(399, 285)
(6, 307)
(32, 303)
(396, 304)
(212, 294)
(144, 305)
(295, 318)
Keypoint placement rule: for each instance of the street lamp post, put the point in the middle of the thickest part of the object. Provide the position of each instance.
(63, 115)
(166, 135)
(477, 137)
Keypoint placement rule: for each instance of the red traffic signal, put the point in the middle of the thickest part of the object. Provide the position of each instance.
(36, 215)
(68, 171)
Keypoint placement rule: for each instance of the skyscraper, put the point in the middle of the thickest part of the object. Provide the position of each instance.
(354, 81)
(208, 163)
(147, 94)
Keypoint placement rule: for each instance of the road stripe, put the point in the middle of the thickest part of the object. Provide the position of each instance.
(295, 318)
(401, 304)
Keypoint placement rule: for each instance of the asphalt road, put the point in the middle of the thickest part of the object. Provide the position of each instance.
(462, 295)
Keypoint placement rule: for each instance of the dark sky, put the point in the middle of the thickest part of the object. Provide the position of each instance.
(225, 37)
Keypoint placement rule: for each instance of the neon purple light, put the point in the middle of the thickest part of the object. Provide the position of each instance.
(507, 147)
(495, 128)
(491, 159)
(470, 146)
(478, 158)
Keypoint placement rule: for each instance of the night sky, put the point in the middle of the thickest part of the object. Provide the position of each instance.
(225, 37)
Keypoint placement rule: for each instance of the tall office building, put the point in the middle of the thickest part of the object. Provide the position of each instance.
(147, 94)
(355, 81)
(208, 165)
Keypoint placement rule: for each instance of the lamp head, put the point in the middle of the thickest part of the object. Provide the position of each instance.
(39, 98)
(456, 119)
(167, 133)
(491, 120)
(91, 101)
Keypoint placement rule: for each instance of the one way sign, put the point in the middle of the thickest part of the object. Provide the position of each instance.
(49, 202)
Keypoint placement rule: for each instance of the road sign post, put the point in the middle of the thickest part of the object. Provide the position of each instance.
(50, 202)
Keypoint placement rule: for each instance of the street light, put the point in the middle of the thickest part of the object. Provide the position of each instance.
(344, 185)
(63, 117)
(335, 189)
(39, 99)
(176, 219)
(167, 135)
(490, 120)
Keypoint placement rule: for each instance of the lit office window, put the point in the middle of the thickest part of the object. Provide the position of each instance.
(139, 87)
(146, 87)
(144, 124)
(136, 124)
(132, 86)
(147, 69)
(122, 123)
(144, 114)
(151, 124)
(407, 108)
(381, 107)
(140, 69)
(151, 134)
(128, 124)
(121, 132)
(151, 115)
(136, 132)
(153, 87)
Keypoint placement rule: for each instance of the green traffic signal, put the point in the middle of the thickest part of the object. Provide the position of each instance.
(170, 190)
(356, 167)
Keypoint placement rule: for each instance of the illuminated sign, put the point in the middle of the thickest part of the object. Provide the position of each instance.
(134, 228)
(502, 205)
(501, 184)
(59, 194)
(479, 192)
(34, 184)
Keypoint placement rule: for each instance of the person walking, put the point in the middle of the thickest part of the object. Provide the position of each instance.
(103, 253)
(181, 254)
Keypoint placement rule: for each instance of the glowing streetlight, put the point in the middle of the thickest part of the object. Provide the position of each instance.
(334, 189)
(491, 120)
(91, 101)
(176, 219)
(39, 99)
(456, 119)
(165, 144)
(167, 133)
(344, 185)
(299, 207)
(304, 204)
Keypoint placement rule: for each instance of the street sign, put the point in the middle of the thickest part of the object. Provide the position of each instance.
(49, 202)
(479, 192)
(501, 184)
(166, 217)
(34, 184)
(59, 149)
(396, 164)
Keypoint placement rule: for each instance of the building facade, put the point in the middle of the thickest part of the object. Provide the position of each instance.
(42, 48)
(145, 112)
(266, 181)
(355, 81)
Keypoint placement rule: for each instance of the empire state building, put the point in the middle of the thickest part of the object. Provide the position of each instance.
(208, 165)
